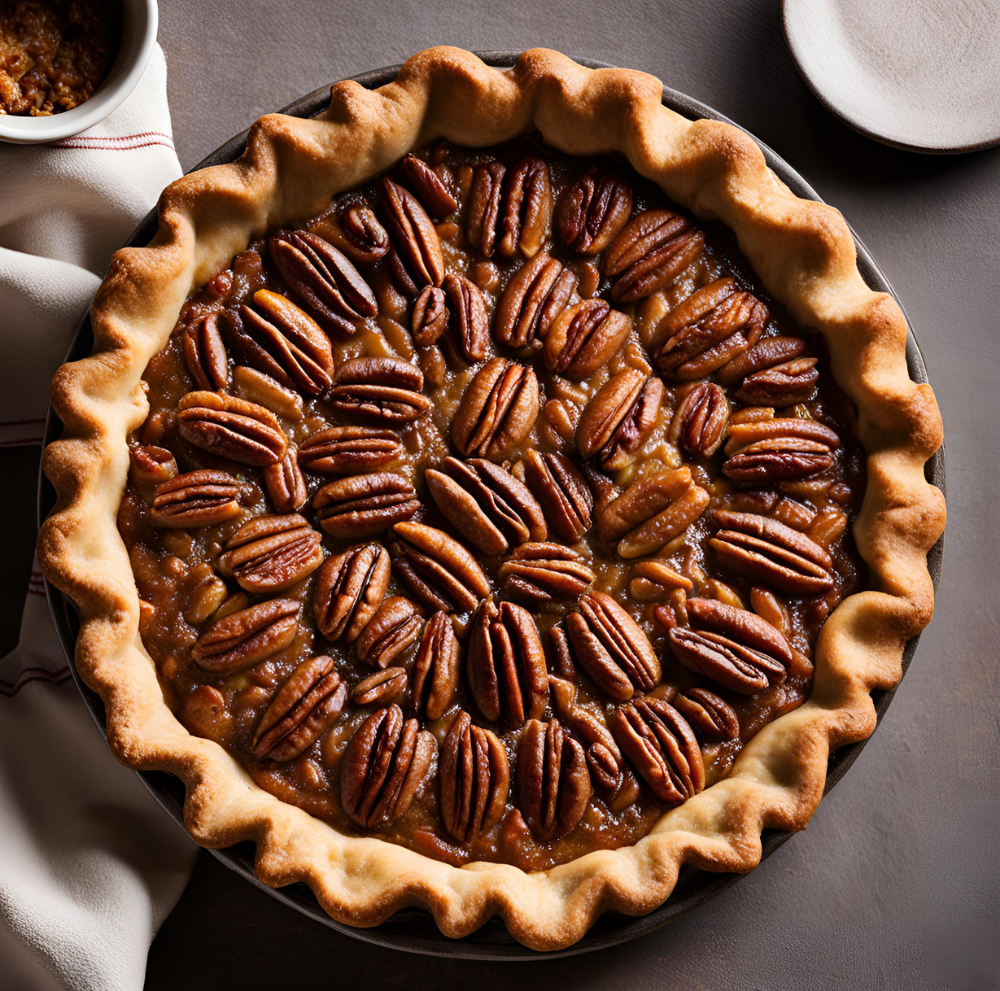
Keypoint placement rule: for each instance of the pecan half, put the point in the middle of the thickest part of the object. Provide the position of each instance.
(389, 632)
(778, 450)
(747, 432)
(417, 244)
(708, 715)
(735, 648)
(655, 579)
(194, 499)
(483, 211)
(359, 235)
(205, 713)
(828, 526)
(593, 210)
(285, 484)
(271, 553)
(544, 572)
(475, 779)
(708, 329)
(470, 325)
(619, 418)
(348, 450)
(248, 636)
(255, 385)
(562, 661)
(284, 342)
(497, 411)
(427, 186)
(651, 251)
(247, 275)
(430, 316)
(730, 664)
(151, 465)
(562, 491)
(437, 568)
(384, 764)
(766, 353)
(506, 664)
(602, 486)
(769, 552)
(380, 688)
(652, 511)
(231, 428)
(201, 593)
(432, 364)
(381, 390)
(402, 281)
(662, 747)
(486, 504)
(611, 647)
(781, 385)
(792, 513)
(535, 295)
(553, 783)
(205, 354)
(584, 338)
(364, 505)
(608, 769)
(350, 587)
(436, 668)
(330, 287)
(527, 209)
(305, 707)
(700, 420)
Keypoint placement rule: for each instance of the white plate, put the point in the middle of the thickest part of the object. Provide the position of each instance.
(923, 75)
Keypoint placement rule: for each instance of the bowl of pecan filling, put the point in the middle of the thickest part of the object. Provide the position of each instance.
(65, 65)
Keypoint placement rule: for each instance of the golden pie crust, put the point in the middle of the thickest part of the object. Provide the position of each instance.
(804, 255)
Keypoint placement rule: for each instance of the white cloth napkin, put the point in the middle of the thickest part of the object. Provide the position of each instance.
(89, 865)
(64, 208)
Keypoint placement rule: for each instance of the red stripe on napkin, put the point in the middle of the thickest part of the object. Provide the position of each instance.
(124, 142)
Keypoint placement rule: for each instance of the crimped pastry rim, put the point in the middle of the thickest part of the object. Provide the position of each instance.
(805, 256)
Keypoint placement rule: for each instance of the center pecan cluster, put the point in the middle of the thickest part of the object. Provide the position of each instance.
(470, 590)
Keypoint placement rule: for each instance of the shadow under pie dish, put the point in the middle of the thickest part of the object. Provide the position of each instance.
(610, 569)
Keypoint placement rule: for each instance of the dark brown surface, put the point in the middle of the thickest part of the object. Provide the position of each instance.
(18, 498)
(892, 885)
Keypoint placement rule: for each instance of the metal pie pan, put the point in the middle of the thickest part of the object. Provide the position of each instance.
(414, 930)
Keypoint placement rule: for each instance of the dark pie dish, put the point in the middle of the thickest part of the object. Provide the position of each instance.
(653, 463)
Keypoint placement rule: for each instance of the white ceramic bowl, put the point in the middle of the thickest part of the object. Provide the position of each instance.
(139, 22)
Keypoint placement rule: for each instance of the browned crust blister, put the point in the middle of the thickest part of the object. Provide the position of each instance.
(803, 253)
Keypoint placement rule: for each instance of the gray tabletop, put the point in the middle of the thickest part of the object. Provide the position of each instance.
(893, 884)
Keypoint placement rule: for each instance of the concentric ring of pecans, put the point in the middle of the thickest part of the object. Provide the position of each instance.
(722, 388)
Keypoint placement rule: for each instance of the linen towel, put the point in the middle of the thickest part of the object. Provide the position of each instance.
(89, 865)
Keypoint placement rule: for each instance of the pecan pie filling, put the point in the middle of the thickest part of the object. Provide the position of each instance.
(54, 53)
(492, 511)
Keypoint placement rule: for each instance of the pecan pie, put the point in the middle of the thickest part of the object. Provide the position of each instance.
(516, 490)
